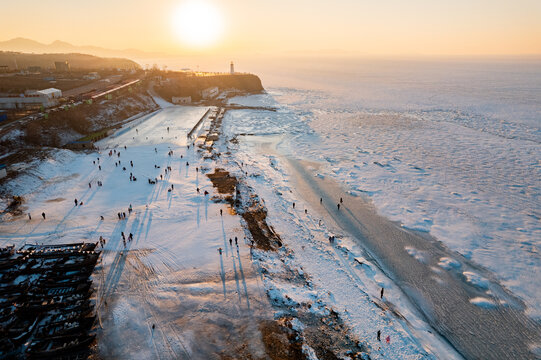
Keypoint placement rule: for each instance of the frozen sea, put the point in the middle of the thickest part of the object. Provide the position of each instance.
(451, 148)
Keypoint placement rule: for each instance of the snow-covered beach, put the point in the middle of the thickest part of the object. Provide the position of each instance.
(466, 179)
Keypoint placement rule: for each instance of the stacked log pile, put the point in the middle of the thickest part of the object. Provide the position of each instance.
(45, 306)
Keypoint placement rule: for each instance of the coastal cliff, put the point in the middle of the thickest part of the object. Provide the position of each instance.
(187, 84)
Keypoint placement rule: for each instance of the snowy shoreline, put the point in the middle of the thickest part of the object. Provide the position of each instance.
(422, 171)
(173, 251)
(359, 150)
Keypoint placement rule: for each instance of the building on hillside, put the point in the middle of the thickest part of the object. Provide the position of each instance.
(50, 93)
(91, 76)
(232, 68)
(34, 69)
(62, 65)
(209, 93)
(46, 98)
(3, 171)
(181, 100)
(165, 81)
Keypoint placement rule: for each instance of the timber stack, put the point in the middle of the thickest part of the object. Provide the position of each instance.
(45, 306)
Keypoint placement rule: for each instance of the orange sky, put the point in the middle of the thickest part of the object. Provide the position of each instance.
(356, 27)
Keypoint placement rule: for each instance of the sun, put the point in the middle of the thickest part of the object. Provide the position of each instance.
(198, 23)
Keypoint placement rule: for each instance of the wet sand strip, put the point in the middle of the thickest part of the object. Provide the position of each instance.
(501, 332)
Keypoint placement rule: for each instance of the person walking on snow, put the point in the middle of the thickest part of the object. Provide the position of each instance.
(338, 206)
(381, 293)
(75, 202)
(29, 216)
(379, 335)
(43, 215)
(230, 242)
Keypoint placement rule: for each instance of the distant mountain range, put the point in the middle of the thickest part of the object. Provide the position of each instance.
(19, 61)
(31, 46)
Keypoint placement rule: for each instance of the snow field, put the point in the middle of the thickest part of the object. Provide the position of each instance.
(171, 274)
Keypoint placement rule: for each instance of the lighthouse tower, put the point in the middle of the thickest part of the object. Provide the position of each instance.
(232, 68)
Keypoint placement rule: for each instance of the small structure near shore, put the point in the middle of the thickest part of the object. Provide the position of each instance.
(181, 100)
(209, 93)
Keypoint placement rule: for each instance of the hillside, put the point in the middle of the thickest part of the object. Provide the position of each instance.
(15, 60)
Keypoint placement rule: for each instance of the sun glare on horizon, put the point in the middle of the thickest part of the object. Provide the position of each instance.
(198, 23)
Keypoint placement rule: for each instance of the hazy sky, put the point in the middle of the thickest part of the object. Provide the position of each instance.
(366, 27)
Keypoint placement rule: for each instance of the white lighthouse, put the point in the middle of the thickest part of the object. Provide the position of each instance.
(232, 68)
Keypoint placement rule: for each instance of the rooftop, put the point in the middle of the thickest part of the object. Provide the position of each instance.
(49, 91)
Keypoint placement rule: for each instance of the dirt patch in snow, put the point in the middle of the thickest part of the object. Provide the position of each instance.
(254, 213)
(223, 181)
(281, 342)
(263, 235)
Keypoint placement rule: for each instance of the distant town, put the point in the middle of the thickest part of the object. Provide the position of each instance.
(73, 100)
